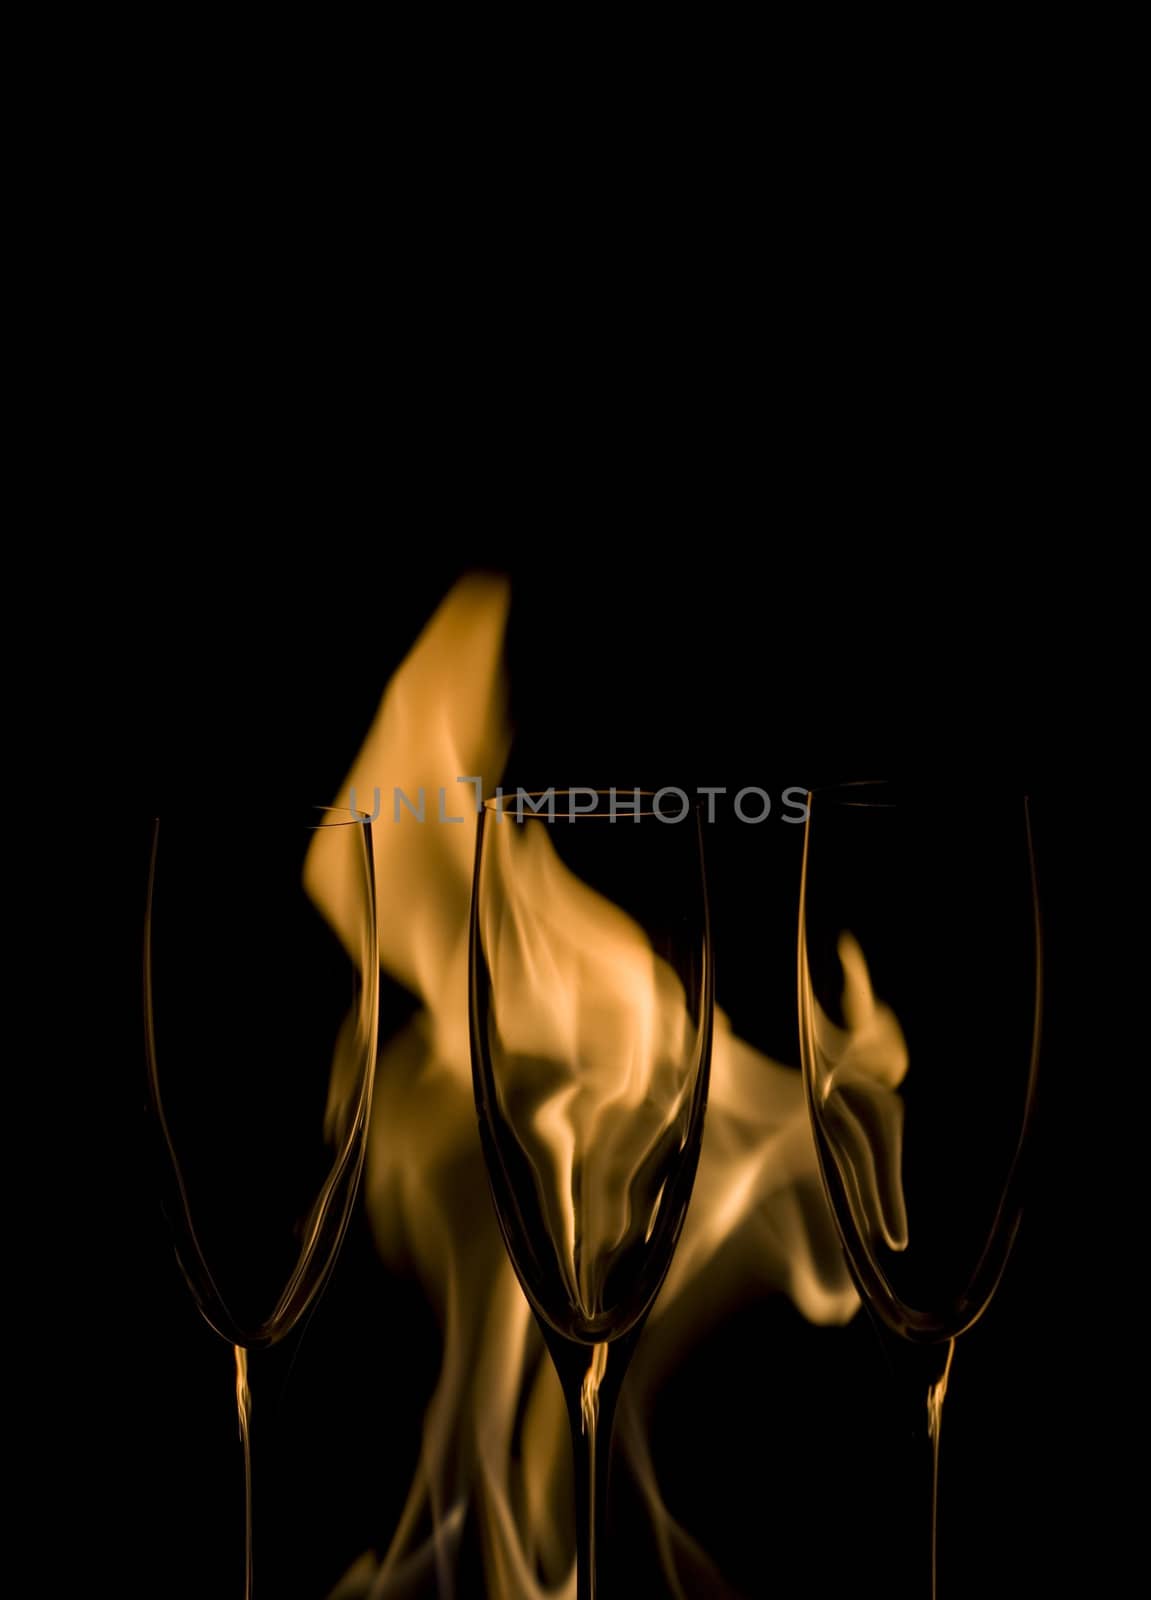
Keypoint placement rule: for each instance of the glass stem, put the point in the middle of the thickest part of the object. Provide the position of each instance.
(935, 1397)
(592, 1411)
(591, 1376)
(244, 1411)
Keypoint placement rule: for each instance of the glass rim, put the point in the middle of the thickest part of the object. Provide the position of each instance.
(302, 815)
(616, 805)
(889, 794)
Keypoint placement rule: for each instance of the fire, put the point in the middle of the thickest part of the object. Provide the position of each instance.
(857, 1070)
(495, 1441)
(610, 1018)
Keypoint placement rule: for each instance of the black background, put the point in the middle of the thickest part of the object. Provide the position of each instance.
(638, 655)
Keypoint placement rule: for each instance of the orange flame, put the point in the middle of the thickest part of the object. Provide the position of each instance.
(495, 1430)
(857, 1071)
(590, 993)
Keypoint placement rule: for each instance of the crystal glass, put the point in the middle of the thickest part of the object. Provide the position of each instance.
(919, 1001)
(591, 1018)
(261, 984)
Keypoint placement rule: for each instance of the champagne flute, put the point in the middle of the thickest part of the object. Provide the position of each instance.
(919, 1002)
(591, 1018)
(261, 982)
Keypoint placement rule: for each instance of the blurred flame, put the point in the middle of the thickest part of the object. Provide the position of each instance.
(589, 1391)
(593, 998)
(857, 1070)
(495, 1440)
